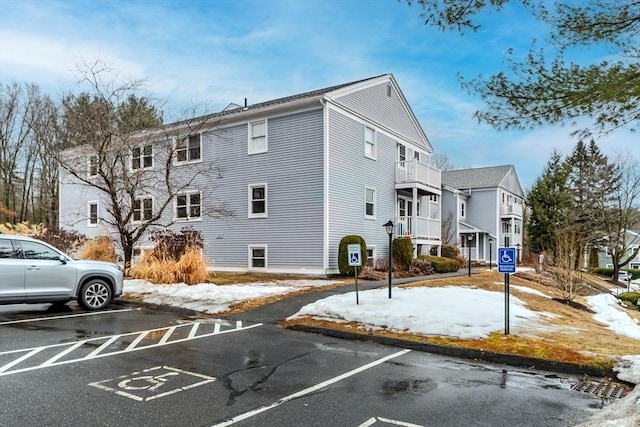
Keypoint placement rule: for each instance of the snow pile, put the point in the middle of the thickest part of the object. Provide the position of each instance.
(610, 313)
(450, 311)
(211, 298)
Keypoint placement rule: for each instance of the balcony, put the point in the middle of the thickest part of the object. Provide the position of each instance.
(512, 209)
(412, 173)
(420, 228)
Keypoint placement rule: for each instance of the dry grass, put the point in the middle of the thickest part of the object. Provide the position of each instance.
(221, 278)
(572, 336)
(22, 229)
(191, 268)
(99, 249)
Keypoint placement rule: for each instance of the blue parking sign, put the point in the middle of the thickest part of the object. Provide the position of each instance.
(506, 260)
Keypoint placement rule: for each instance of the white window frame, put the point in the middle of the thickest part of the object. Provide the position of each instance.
(141, 157)
(251, 143)
(142, 209)
(250, 257)
(370, 153)
(371, 260)
(187, 149)
(189, 206)
(91, 171)
(463, 209)
(366, 202)
(250, 188)
(91, 203)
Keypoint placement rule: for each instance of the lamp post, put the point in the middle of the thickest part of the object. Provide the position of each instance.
(389, 227)
(469, 239)
(518, 254)
(490, 242)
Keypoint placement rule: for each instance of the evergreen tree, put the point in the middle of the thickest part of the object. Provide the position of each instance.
(549, 202)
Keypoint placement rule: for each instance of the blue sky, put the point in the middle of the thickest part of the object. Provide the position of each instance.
(211, 53)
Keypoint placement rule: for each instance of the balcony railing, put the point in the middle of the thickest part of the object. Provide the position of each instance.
(414, 172)
(514, 209)
(418, 227)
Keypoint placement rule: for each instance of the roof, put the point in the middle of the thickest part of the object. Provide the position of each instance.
(301, 96)
(489, 177)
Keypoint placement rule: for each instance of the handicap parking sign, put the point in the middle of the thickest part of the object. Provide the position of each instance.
(506, 260)
(354, 255)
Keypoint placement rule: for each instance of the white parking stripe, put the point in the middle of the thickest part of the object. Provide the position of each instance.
(38, 319)
(98, 350)
(20, 359)
(63, 353)
(311, 389)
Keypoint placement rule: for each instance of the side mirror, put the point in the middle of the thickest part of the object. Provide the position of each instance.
(63, 259)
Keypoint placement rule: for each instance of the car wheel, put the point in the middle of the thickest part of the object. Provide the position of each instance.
(95, 294)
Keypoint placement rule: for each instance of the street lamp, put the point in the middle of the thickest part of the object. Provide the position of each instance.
(518, 254)
(469, 239)
(389, 227)
(490, 242)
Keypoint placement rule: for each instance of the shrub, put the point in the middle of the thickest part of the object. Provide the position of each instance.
(449, 251)
(343, 255)
(172, 246)
(22, 229)
(441, 264)
(68, 241)
(100, 249)
(190, 268)
(403, 251)
(422, 267)
(631, 297)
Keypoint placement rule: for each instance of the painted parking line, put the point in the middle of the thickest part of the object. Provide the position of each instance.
(93, 348)
(38, 319)
(372, 421)
(311, 389)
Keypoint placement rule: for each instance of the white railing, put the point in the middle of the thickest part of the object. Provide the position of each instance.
(412, 171)
(418, 227)
(511, 209)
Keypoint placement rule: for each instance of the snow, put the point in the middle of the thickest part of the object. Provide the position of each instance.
(463, 312)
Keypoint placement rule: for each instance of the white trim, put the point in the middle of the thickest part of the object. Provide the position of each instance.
(373, 256)
(89, 223)
(142, 156)
(366, 216)
(250, 213)
(373, 143)
(89, 174)
(142, 199)
(175, 150)
(188, 218)
(250, 249)
(250, 149)
(325, 191)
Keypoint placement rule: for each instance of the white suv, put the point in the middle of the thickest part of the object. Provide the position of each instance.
(31, 271)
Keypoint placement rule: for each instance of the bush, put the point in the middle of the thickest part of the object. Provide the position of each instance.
(449, 251)
(631, 297)
(343, 254)
(100, 249)
(190, 268)
(608, 272)
(68, 241)
(172, 246)
(441, 264)
(403, 252)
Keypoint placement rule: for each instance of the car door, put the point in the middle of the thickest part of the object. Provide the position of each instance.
(12, 272)
(45, 275)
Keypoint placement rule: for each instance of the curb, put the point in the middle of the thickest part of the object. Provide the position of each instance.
(485, 356)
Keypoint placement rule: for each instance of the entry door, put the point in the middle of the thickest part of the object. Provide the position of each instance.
(12, 273)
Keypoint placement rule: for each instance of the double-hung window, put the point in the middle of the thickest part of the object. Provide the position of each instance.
(257, 257)
(257, 200)
(142, 157)
(93, 166)
(189, 206)
(142, 209)
(369, 203)
(258, 137)
(92, 214)
(369, 143)
(189, 149)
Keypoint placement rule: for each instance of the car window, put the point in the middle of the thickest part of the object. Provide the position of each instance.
(6, 249)
(35, 250)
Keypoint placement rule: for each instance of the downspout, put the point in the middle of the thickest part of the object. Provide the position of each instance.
(325, 187)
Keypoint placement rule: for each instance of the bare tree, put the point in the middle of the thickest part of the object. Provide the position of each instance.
(566, 257)
(622, 213)
(133, 170)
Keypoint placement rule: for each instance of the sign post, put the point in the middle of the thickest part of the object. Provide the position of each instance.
(353, 251)
(506, 265)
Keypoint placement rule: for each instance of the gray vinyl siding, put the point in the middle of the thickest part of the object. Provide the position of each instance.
(349, 173)
(482, 209)
(374, 103)
(292, 170)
